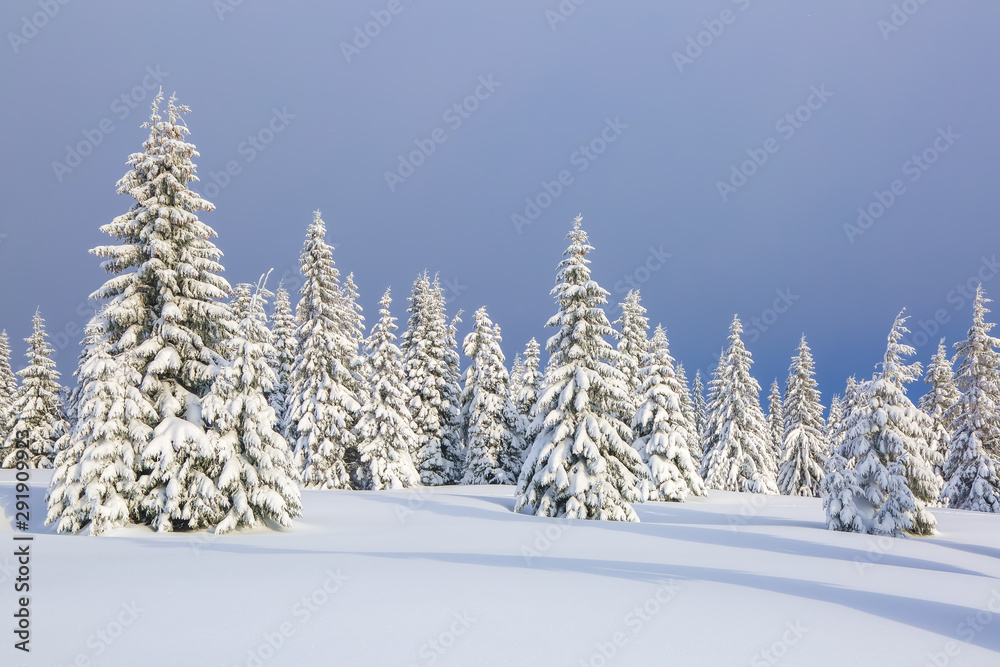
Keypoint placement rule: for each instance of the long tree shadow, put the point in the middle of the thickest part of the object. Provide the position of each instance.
(941, 618)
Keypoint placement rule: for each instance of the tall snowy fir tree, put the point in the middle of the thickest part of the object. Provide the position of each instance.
(385, 431)
(286, 350)
(939, 402)
(886, 438)
(256, 475)
(166, 320)
(738, 454)
(430, 363)
(581, 464)
(633, 344)
(662, 431)
(973, 464)
(776, 421)
(36, 421)
(95, 478)
(492, 426)
(324, 406)
(804, 441)
(8, 384)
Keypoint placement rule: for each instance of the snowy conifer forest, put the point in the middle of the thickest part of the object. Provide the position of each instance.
(315, 464)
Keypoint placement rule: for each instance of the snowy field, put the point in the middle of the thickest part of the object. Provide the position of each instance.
(450, 576)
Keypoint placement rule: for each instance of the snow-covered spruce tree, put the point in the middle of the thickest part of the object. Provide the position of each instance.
(687, 407)
(738, 455)
(805, 444)
(286, 350)
(516, 376)
(700, 410)
(939, 401)
(430, 363)
(834, 419)
(776, 421)
(492, 427)
(95, 478)
(973, 464)
(324, 406)
(661, 429)
(8, 384)
(531, 379)
(633, 344)
(256, 476)
(166, 320)
(580, 464)
(36, 421)
(385, 431)
(886, 438)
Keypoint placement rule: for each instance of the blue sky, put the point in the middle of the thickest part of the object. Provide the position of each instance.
(643, 109)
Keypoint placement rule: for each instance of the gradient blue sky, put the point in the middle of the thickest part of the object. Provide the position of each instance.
(654, 186)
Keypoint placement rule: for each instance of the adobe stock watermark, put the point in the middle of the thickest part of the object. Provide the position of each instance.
(454, 116)
(562, 12)
(30, 25)
(915, 167)
(545, 539)
(787, 125)
(966, 631)
(634, 621)
(779, 648)
(655, 260)
(248, 150)
(364, 34)
(302, 611)
(102, 639)
(959, 295)
(223, 7)
(769, 316)
(581, 159)
(714, 27)
(899, 17)
(121, 107)
(435, 648)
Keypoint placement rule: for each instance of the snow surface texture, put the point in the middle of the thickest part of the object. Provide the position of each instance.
(459, 579)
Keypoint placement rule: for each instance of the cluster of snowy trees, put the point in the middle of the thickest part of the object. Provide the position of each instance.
(196, 407)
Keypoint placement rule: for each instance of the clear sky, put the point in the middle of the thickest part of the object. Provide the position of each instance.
(644, 109)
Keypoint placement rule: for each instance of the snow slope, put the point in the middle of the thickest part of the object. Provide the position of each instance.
(450, 576)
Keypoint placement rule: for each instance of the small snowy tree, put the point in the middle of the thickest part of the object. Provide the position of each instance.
(662, 431)
(580, 464)
(516, 376)
(834, 420)
(700, 410)
(687, 407)
(492, 425)
(633, 344)
(886, 438)
(8, 385)
(939, 401)
(738, 454)
(531, 379)
(805, 444)
(973, 464)
(95, 478)
(385, 430)
(256, 473)
(776, 421)
(36, 421)
(324, 405)
(286, 350)
(430, 362)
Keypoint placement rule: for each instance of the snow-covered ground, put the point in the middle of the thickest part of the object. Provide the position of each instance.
(450, 576)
